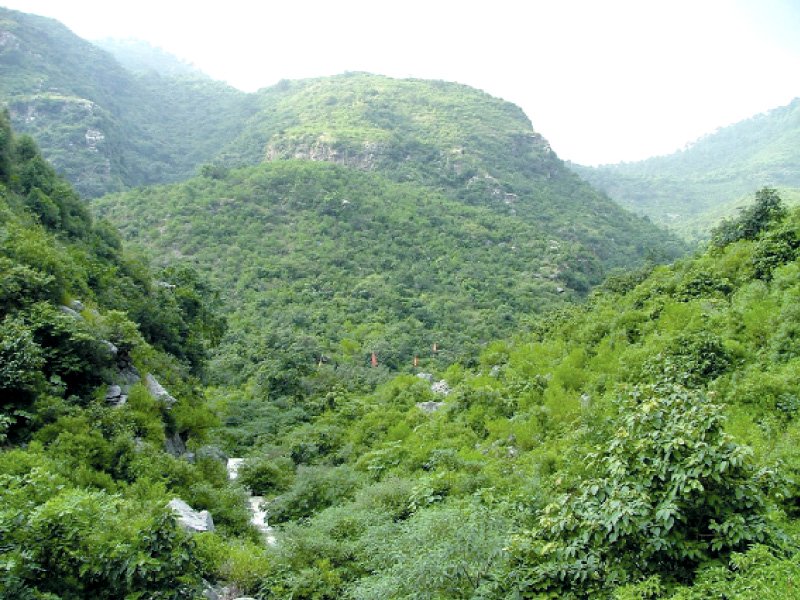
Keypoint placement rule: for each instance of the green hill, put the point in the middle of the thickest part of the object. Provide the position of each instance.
(91, 451)
(138, 56)
(643, 445)
(101, 126)
(689, 190)
(324, 262)
(469, 145)
(365, 235)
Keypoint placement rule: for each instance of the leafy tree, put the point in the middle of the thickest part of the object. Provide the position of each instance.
(767, 209)
(672, 490)
(6, 146)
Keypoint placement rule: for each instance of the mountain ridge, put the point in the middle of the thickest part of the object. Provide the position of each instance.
(106, 128)
(715, 172)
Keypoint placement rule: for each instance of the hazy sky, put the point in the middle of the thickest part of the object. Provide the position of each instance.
(603, 80)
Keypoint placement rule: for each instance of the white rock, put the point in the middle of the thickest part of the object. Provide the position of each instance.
(233, 467)
(190, 519)
(429, 407)
(441, 387)
(158, 392)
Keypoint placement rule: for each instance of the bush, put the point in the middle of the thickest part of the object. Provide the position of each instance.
(314, 489)
(672, 490)
(767, 209)
(264, 475)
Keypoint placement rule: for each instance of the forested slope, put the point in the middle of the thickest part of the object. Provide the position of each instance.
(323, 265)
(688, 191)
(90, 454)
(643, 445)
(102, 126)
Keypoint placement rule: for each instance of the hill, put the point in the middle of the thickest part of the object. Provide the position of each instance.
(92, 446)
(389, 216)
(463, 142)
(640, 445)
(687, 190)
(643, 445)
(102, 126)
(138, 56)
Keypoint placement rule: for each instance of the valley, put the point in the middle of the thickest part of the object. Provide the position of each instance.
(365, 337)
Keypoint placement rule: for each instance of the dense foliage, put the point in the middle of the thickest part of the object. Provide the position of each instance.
(690, 190)
(103, 127)
(641, 446)
(84, 484)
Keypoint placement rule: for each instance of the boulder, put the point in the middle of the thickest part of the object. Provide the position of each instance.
(429, 407)
(426, 376)
(128, 375)
(158, 392)
(68, 311)
(190, 519)
(441, 387)
(175, 445)
(116, 396)
(111, 347)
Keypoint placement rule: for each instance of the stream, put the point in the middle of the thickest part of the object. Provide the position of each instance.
(259, 518)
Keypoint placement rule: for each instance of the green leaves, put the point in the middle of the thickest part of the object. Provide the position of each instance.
(667, 495)
(767, 209)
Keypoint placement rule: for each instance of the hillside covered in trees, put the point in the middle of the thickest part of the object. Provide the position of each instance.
(642, 445)
(103, 127)
(691, 190)
(335, 264)
(92, 450)
(445, 366)
(639, 445)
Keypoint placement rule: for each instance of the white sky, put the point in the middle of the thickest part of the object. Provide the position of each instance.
(602, 80)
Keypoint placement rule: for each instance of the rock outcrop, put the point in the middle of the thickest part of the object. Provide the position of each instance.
(158, 392)
(115, 395)
(191, 520)
(175, 445)
(429, 407)
(441, 387)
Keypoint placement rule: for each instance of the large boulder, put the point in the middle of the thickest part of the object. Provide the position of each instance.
(116, 396)
(190, 519)
(429, 407)
(158, 392)
(441, 388)
(175, 445)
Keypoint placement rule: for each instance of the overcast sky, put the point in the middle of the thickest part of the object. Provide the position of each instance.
(602, 80)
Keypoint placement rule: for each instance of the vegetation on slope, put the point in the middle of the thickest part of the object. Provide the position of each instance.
(84, 484)
(685, 190)
(643, 445)
(141, 57)
(464, 143)
(101, 126)
(322, 265)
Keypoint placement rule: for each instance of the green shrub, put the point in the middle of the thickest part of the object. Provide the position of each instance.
(314, 489)
(264, 475)
(671, 491)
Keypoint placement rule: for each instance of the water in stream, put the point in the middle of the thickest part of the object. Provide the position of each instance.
(259, 518)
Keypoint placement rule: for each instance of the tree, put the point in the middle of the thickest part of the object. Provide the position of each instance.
(672, 491)
(768, 208)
